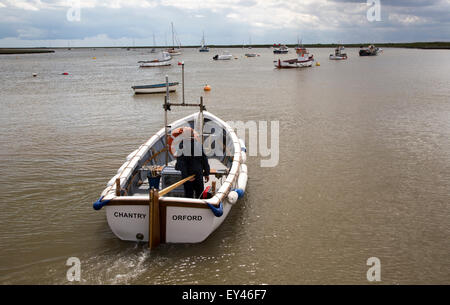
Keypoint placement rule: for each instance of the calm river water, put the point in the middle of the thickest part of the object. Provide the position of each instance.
(363, 171)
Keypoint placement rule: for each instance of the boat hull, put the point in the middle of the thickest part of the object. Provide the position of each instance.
(223, 57)
(341, 57)
(286, 64)
(368, 53)
(178, 224)
(155, 64)
(179, 219)
(150, 89)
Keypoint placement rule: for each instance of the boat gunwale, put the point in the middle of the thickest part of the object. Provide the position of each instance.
(132, 163)
(155, 86)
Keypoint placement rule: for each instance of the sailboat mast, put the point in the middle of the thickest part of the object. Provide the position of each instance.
(173, 37)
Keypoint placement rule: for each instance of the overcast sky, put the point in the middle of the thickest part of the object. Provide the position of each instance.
(127, 22)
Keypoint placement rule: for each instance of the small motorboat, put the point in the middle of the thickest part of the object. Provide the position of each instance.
(303, 60)
(163, 60)
(156, 88)
(145, 200)
(225, 56)
(338, 54)
(251, 54)
(281, 50)
(369, 51)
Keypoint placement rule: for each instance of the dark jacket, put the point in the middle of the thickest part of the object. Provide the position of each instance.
(189, 165)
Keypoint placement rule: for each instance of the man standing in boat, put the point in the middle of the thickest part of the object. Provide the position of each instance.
(193, 161)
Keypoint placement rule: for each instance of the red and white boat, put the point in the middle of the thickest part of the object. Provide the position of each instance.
(303, 60)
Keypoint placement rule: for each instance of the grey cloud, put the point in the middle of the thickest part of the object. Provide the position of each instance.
(139, 23)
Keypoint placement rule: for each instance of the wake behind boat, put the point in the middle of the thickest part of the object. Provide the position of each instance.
(156, 88)
(145, 200)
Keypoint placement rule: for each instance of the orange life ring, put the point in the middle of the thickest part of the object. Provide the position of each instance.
(179, 131)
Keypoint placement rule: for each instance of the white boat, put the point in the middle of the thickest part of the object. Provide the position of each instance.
(338, 54)
(369, 51)
(153, 50)
(250, 47)
(303, 60)
(164, 60)
(174, 51)
(203, 48)
(281, 50)
(156, 88)
(225, 56)
(144, 200)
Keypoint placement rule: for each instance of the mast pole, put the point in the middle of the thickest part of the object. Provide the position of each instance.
(173, 39)
(166, 108)
(182, 78)
(202, 120)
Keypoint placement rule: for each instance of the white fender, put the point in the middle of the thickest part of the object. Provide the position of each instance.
(243, 169)
(242, 181)
(232, 197)
(243, 156)
(243, 147)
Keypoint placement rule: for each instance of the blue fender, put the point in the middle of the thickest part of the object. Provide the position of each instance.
(217, 211)
(240, 192)
(100, 204)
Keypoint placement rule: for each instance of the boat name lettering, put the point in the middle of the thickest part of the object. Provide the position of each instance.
(187, 217)
(129, 215)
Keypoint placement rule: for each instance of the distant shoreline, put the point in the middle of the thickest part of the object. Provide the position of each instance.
(437, 45)
(25, 50)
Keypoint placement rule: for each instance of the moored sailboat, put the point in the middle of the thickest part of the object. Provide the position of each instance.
(250, 54)
(203, 47)
(174, 51)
